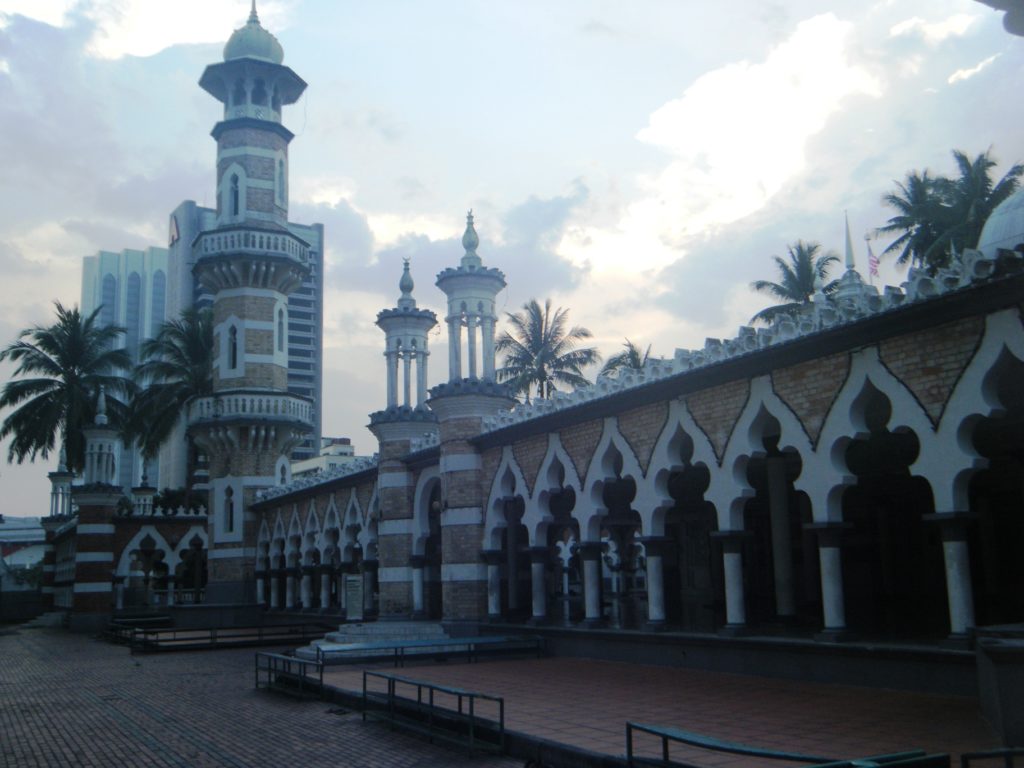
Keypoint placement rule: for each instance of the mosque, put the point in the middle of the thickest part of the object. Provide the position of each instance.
(850, 474)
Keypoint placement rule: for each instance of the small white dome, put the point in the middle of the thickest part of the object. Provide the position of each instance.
(253, 42)
(1005, 227)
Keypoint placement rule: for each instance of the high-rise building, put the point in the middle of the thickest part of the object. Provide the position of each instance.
(131, 290)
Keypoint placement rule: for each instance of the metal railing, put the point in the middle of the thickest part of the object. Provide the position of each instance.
(910, 759)
(289, 674)
(436, 711)
(399, 651)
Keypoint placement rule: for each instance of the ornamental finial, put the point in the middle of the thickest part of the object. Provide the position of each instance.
(470, 240)
(101, 408)
(253, 17)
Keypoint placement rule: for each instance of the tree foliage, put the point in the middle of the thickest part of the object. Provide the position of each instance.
(59, 371)
(631, 358)
(799, 276)
(541, 351)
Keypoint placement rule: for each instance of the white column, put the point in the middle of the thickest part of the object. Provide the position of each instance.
(307, 590)
(275, 596)
(289, 591)
(325, 589)
(538, 564)
(590, 552)
(170, 590)
(471, 321)
(454, 348)
(260, 589)
(493, 590)
(417, 587)
(407, 378)
(487, 345)
(732, 562)
(392, 378)
(655, 582)
(119, 594)
(421, 377)
(782, 550)
(832, 602)
(959, 590)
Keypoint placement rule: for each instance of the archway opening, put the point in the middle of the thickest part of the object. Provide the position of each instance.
(623, 558)
(433, 556)
(893, 568)
(996, 497)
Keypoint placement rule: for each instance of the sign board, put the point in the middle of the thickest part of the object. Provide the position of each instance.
(354, 597)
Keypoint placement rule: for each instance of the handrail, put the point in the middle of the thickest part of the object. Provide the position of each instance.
(436, 714)
(399, 650)
(280, 668)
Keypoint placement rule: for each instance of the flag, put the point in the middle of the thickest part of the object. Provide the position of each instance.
(872, 261)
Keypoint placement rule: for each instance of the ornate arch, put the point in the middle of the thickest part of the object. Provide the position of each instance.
(507, 480)
(420, 511)
(601, 469)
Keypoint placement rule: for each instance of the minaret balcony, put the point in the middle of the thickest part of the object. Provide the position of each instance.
(242, 406)
(246, 257)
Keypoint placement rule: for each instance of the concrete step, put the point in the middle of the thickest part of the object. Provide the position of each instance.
(47, 620)
(375, 631)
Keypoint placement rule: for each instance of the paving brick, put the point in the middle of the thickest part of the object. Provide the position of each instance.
(70, 700)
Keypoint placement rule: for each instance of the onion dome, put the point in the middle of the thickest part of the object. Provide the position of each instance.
(253, 42)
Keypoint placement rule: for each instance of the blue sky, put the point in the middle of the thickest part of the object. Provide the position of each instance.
(638, 163)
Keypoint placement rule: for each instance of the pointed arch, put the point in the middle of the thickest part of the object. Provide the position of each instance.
(613, 457)
(508, 481)
(557, 472)
(159, 543)
(425, 483)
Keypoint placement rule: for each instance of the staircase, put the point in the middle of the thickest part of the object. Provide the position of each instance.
(372, 632)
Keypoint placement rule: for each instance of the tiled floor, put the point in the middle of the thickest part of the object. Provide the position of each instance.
(586, 703)
(68, 700)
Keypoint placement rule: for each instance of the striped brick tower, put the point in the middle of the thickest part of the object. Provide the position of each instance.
(60, 511)
(461, 404)
(250, 263)
(97, 497)
(397, 428)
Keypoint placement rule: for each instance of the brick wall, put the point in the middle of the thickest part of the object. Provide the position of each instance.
(930, 362)
(810, 388)
(580, 442)
(716, 410)
(641, 428)
(251, 137)
(529, 453)
(464, 600)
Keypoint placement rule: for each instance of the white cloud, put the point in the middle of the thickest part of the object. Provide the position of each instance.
(52, 12)
(736, 136)
(934, 32)
(964, 74)
(144, 27)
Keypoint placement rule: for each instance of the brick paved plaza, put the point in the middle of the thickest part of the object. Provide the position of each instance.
(71, 700)
(68, 700)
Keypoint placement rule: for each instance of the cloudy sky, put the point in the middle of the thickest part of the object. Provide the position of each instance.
(636, 162)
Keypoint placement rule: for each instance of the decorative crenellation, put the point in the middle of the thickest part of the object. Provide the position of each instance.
(141, 509)
(360, 464)
(853, 301)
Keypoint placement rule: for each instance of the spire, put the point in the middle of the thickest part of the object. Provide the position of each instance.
(470, 241)
(849, 244)
(253, 16)
(62, 465)
(405, 285)
(101, 409)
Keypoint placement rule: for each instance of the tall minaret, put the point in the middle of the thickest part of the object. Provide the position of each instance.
(250, 262)
(405, 420)
(461, 404)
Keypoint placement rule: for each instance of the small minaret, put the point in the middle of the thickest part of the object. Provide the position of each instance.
(471, 289)
(406, 328)
(461, 405)
(60, 487)
(97, 502)
(397, 428)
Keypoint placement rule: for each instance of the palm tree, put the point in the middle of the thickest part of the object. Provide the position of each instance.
(629, 359)
(974, 196)
(540, 352)
(176, 368)
(923, 217)
(60, 370)
(799, 279)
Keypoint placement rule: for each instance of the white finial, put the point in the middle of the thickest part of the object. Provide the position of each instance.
(405, 285)
(62, 465)
(470, 240)
(253, 17)
(101, 409)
